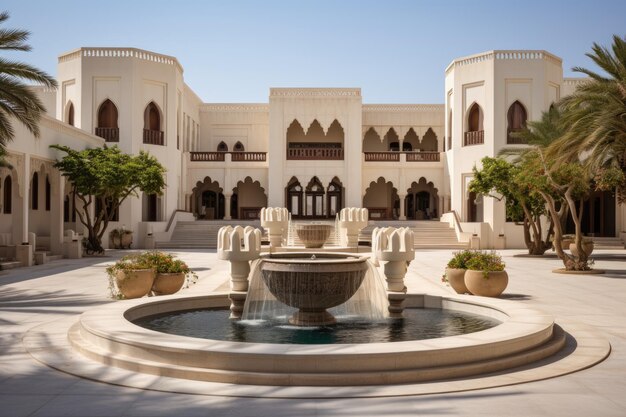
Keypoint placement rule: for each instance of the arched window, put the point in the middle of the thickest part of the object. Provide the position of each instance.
(152, 133)
(475, 133)
(516, 119)
(8, 195)
(238, 147)
(222, 147)
(315, 198)
(107, 122)
(70, 113)
(335, 200)
(48, 193)
(34, 192)
(294, 197)
(429, 141)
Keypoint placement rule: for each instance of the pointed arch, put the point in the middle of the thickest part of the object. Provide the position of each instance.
(251, 197)
(392, 140)
(152, 125)
(314, 198)
(293, 194)
(107, 122)
(239, 147)
(372, 142)
(516, 118)
(222, 147)
(334, 197)
(474, 133)
(429, 141)
(422, 200)
(208, 200)
(69, 113)
(295, 132)
(411, 141)
(335, 132)
(381, 199)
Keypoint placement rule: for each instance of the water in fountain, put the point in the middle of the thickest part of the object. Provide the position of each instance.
(369, 303)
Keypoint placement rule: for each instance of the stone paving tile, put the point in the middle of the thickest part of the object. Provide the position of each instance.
(17, 405)
(86, 405)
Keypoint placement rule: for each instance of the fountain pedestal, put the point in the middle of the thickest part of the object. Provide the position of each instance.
(396, 248)
(276, 221)
(239, 246)
(351, 221)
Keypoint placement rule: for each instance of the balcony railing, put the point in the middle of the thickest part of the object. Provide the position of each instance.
(207, 156)
(315, 153)
(474, 138)
(382, 156)
(513, 139)
(153, 137)
(422, 156)
(110, 134)
(248, 156)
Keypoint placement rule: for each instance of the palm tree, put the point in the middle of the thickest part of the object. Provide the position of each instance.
(595, 113)
(17, 100)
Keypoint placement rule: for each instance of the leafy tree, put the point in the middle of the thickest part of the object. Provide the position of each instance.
(595, 114)
(17, 100)
(499, 179)
(108, 176)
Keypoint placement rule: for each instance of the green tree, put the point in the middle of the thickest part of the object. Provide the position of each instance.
(595, 114)
(108, 176)
(499, 179)
(17, 100)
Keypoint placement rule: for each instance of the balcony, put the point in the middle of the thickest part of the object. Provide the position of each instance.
(382, 156)
(513, 139)
(207, 156)
(422, 156)
(474, 138)
(153, 137)
(110, 134)
(312, 154)
(248, 156)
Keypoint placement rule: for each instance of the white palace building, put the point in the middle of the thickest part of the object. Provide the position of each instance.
(312, 150)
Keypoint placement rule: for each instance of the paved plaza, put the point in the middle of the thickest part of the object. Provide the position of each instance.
(30, 297)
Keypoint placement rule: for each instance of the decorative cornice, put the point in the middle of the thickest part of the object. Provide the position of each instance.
(315, 92)
(108, 52)
(403, 108)
(575, 81)
(233, 107)
(504, 55)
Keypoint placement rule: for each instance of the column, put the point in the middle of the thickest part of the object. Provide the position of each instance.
(402, 206)
(56, 213)
(227, 206)
(25, 199)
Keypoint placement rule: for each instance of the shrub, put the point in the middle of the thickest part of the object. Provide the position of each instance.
(485, 262)
(459, 259)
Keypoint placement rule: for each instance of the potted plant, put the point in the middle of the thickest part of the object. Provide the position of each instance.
(485, 275)
(120, 238)
(130, 277)
(171, 274)
(455, 271)
(587, 246)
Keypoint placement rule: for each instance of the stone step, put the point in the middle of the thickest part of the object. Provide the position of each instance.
(9, 265)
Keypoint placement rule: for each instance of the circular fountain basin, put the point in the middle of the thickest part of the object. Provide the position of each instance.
(313, 282)
(313, 235)
(108, 334)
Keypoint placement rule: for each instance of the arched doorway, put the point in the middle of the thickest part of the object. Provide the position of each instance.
(294, 197)
(381, 199)
(334, 197)
(208, 200)
(152, 130)
(314, 198)
(248, 197)
(474, 134)
(516, 122)
(107, 122)
(422, 201)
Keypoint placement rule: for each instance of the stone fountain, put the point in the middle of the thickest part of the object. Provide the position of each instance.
(313, 235)
(313, 282)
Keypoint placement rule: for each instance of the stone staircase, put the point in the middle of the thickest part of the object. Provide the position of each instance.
(428, 234)
(43, 256)
(8, 264)
(608, 243)
(202, 234)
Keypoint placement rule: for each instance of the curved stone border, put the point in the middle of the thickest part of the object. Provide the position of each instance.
(49, 344)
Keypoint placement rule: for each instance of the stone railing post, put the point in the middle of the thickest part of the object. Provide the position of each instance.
(239, 246)
(276, 221)
(396, 248)
(351, 221)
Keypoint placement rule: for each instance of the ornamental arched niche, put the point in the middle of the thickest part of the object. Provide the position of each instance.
(294, 196)
(422, 200)
(372, 141)
(382, 200)
(250, 198)
(429, 142)
(208, 199)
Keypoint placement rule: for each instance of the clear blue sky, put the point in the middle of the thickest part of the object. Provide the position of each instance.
(396, 51)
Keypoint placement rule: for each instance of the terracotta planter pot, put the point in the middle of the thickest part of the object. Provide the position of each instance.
(492, 286)
(165, 284)
(456, 279)
(587, 247)
(135, 284)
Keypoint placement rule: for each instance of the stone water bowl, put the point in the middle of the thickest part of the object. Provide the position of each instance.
(313, 235)
(313, 282)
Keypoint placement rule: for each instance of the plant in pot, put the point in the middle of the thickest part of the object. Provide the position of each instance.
(455, 271)
(587, 244)
(485, 275)
(171, 274)
(120, 238)
(130, 277)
